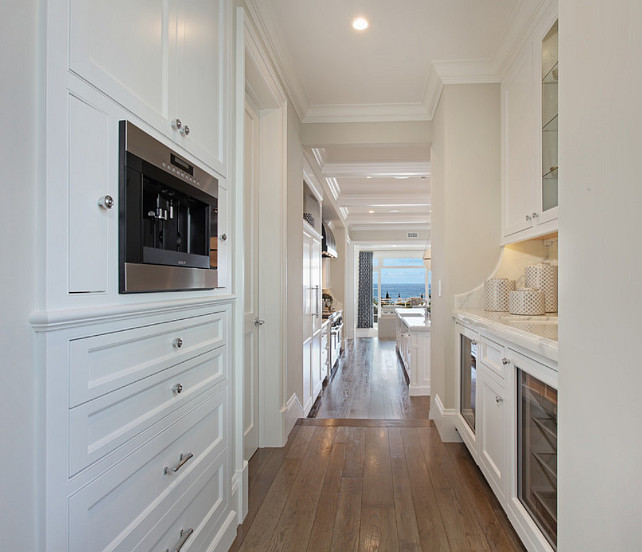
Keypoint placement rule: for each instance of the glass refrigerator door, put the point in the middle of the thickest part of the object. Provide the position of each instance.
(468, 360)
(537, 452)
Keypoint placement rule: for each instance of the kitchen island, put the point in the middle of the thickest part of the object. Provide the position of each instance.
(413, 347)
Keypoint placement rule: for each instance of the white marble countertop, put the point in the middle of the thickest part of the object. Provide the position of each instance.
(533, 333)
(414, 319)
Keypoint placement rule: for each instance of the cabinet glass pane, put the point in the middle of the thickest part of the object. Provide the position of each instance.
(537, 452)
(550, 73)
(468, 360)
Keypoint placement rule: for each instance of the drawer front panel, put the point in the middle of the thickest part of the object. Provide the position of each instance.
(104, 424)
(491, 356)
(200, 509)
(105, 514)
(102, 363)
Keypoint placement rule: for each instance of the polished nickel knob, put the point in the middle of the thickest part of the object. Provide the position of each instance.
(528, 217)
(185, 131)
(499, 400)
(106, 202)
(178, 343)
(258, 321)
(178, 388)
(177, 124)
(535, 215)
(505, 361)
(223, 237)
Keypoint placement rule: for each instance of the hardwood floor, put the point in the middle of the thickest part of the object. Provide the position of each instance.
(369, 383)
(369, 483)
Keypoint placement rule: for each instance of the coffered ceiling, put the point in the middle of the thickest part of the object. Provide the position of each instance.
(392, 71)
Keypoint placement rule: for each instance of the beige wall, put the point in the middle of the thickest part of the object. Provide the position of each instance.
(465, 212)
(600, 375)
(412, 132)
(294, 311)
(21, 493)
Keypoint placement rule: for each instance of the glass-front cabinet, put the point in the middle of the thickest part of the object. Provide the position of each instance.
(550, 74)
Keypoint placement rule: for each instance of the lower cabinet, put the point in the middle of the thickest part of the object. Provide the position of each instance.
(138, 425)
(492, 423)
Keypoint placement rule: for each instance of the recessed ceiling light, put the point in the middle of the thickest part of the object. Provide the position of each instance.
(360, 24)
(401, 177)
(368, 177)
(395, 211)
(370, 211)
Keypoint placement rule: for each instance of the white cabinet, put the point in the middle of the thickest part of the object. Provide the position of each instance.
(138, 430)
(529, 164)
(413, 346)
(163, 61)
(312, 369)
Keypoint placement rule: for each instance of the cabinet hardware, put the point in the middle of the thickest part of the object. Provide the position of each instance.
(177, 124)
(505, 361)
(528, 217)
(223, 237)
(106, 202)
(535, 215)
(182, 460)
(185, 130)
(178, 388)
(258, 321)
(499, 400)
(178, 343)
(473, 342)
(185, 534)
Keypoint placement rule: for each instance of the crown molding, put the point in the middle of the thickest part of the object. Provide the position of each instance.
(266, 28)
(386, 219)
(402, 227)
(391, 169)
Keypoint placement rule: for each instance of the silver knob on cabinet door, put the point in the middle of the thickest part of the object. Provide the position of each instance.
(185, 130)
(258, 321)
(535, 215)
(505, 361)
(223, 237)
(499, 400)
(178, 343)
(528, 217)
(106, 202)
(177, 124)
(178, 388)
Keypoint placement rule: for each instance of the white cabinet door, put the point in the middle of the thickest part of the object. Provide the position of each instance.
(519, 132)
(492, 431)
(197, 87)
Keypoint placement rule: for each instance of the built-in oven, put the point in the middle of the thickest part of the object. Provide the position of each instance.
(167, 218)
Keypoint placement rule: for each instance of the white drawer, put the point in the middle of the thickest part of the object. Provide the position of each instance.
(491, 354)
(100, 426)
(118, 509)
(103, 363)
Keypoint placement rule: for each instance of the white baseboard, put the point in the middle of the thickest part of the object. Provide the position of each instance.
(225, 536)
(293, 411)
(444, 419)
(419, 390)
(240, 489)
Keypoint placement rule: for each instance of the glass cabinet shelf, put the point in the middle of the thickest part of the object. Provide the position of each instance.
(550, 75)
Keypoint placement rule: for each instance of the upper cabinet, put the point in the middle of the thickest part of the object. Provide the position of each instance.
(165, 62)
(529, 136)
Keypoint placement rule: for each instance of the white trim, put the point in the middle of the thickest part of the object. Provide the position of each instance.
(292, 412)
(368, 168)
(225, 536)
(366, 113)
(445, 420)
(398, 225)
(418, 390)
(240, 488)
(385, 200)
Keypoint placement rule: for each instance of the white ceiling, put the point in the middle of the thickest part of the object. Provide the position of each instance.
(393, 71)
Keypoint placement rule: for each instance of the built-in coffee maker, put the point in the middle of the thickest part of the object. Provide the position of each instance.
(168, 218)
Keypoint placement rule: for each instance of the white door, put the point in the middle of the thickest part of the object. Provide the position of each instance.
(251, 320)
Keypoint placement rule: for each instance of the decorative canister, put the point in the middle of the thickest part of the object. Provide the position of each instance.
(496, 291)
(526, 301)
(544, 276)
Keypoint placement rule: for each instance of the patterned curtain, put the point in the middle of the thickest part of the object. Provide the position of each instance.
(365, 317)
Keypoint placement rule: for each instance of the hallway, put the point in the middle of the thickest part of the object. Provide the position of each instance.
(370, 473)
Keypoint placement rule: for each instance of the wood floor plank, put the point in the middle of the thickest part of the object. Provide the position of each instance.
(292, 532)
(407, 529)
(377, 472)
(378, 531)
(355, 453)
(345, 533)
(432, 533)
(321, 535)
(299, 447)
(462, 526)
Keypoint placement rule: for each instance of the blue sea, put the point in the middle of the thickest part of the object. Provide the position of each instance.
(401, 290)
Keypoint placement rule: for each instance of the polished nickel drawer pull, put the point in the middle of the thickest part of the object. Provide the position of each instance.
(183, 458)
(184, 536)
